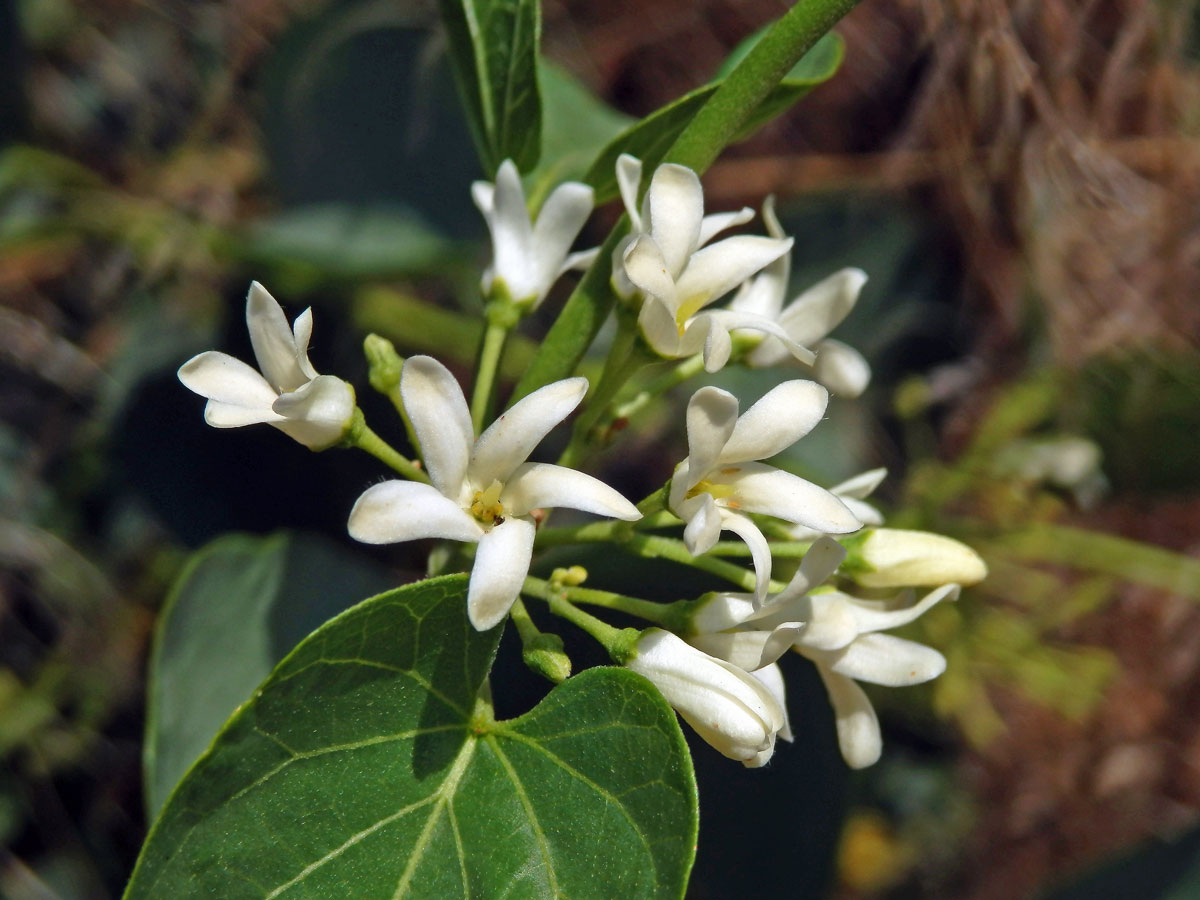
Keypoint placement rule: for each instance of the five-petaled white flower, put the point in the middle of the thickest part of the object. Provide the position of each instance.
(735, 712)
(721, 477)
(482, 489)
(838, 632)
(529, 257)
(807, 320)
(316, 410)
(668, 259)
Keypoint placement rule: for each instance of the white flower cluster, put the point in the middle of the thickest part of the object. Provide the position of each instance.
(720, 672)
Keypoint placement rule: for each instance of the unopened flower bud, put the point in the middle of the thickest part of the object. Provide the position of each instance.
(545, 656)
(383, 363)
(892, 557)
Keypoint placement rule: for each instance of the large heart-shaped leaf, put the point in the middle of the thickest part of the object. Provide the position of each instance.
(493, 51)
(367, 767)
(651, 138)
(239, 606)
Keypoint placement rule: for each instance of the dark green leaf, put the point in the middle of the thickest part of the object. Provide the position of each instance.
(493, 51)
(651, 138)
(239, 606)
(364, 767)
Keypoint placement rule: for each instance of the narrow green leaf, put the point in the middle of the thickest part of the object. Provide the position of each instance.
(493, 51)
(651, 138)
(238, 607)
(363, 767)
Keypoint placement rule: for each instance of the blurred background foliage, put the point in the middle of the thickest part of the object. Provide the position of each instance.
(1021, 181)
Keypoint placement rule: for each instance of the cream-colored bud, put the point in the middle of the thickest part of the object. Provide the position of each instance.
(892, 557)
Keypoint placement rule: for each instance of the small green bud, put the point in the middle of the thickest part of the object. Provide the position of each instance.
(383, 363)
(544, 655)
(571, 577)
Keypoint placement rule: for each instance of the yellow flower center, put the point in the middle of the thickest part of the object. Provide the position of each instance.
(689, 308)
(718, 491)
(486, 506)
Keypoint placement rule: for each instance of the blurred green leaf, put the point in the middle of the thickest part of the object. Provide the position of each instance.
(494, 54)
(575, 127)
(650, 138)
(238, 607)
(336, 240)
(364, 767)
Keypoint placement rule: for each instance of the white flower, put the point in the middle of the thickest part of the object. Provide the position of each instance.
(733, 711)
(529, 257)
(721, 479)
(854, 492)
(666, 258)
(838, 632)
(807, 320)
(482, 489)
(316, 410)
(893, 557)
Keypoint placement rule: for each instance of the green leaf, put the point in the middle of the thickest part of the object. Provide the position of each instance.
(365, 767)
(238, 607)
(344, 241)
(494, 54)
(651, 138)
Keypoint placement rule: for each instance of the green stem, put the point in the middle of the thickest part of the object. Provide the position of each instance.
(659, 613)
(780, 550)
(525, 624)
(745, 88)
(592, 533)
(364, 438)
(654, 546)
(673, 377)
(625, 358)
(490, 351)
(619, 642)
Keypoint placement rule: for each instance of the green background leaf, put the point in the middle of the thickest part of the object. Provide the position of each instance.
(651, 138)
(494, 53)
(237, 609)
(363, 768)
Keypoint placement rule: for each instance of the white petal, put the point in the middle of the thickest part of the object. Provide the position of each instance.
(558, 224)
(228, 381)
(713, 224)
(772, 492)
(832, 624)
(772, 679)
(821, 561)
(579, 261)
(862, 485)
(438, 411)
(675, 205)
(703, 523)
(540, 485)
(509, 440)
(717, 345)
(857, 725)
(397, 511)
(227, 415)
(722, 611)
(887, 660)
(646, 269)
(629, 180)
(781, 417)
(512, 235)
(841, 368)
(318, 414)
(864, 512)
(273, 341)
(736, 320)
(712, 416)
(501, 564)
(818, 310)
(658, 327)
(749, 650)
(868, 619)
(760, 550)
(718, 268)
(484, 195)
(301, 334)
